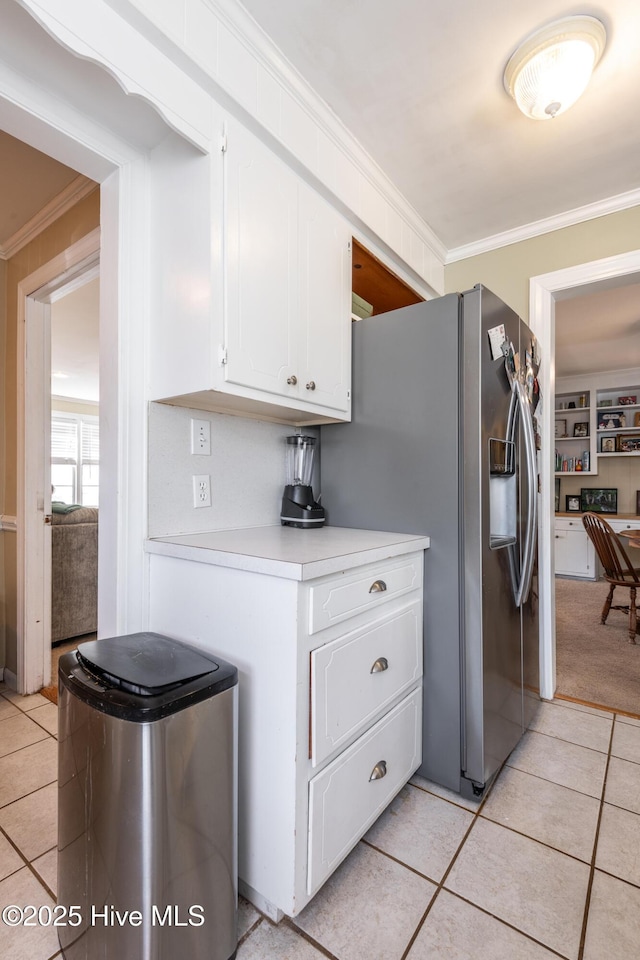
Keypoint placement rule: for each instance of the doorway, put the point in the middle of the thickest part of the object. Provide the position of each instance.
(37, 293)
(545, 291)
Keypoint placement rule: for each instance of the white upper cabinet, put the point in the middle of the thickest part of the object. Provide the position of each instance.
(288, 281)
(268, 332)
(261, 265)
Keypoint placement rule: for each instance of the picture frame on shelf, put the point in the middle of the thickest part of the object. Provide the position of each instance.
(628, 443)
(607, 444)
(581, 429)
(611, 421)
(561, 428)
(572, 503)
(599, 500)
(627, 401)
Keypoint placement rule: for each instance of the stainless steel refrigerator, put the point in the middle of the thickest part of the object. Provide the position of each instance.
(443, 442)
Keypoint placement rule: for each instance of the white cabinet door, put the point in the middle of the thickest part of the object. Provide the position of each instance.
(260, 264)
(287, 275)
(324, 297)
(575, 554)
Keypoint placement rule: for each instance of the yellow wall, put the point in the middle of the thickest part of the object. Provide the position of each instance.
(507, 270)
(67, 230)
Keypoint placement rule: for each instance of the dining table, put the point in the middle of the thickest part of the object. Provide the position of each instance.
(633, 536)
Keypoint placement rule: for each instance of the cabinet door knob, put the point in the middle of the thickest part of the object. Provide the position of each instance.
(378, 586)
(311, 385)
(380, 665)
(292, 380)
(379, 771)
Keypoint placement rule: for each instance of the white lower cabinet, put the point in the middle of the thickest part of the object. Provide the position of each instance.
(353, 790)
(330, 713)
(574, 552)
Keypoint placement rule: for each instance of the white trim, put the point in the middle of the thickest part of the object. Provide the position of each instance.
(544, 290)
(77, 190)
(87, 28)
(9, 677)
(7, 522)
(601, 208)
(33, 552)
(258, 43)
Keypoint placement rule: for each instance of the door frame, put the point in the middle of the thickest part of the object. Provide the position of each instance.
(544, 291)
(36, 293)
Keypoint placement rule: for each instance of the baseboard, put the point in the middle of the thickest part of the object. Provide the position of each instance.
(10, 678)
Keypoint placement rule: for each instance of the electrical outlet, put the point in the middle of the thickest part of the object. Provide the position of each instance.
(202, 491)
(201, 437)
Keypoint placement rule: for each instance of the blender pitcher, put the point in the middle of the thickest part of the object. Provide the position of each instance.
(299, 509)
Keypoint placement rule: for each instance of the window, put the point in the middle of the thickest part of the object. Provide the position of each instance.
(75, 455)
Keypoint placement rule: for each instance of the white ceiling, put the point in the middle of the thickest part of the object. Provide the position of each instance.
(420, 85)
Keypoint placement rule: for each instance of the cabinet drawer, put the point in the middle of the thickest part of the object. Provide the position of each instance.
(355, 677)
(345, 596)
(344, 800)
(563, 524)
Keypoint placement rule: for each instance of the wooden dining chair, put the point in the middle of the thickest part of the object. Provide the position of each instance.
(618, 569)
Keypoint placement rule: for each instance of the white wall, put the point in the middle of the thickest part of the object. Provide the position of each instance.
(246, 467)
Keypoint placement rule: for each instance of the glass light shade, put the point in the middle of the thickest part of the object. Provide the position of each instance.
(551, 69)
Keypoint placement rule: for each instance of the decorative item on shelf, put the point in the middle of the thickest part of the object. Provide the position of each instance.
(636, 419)
(572, 405)
(606, 403)
(572, 503)
(585, 459)
(561, 428)
(607, 444)
(581, 429)
(627, 401)
(578, 465)
(610, 421)
(582, 400)
(627, 443)
(599, 500)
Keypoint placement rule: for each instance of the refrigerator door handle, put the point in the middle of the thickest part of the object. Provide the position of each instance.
(528, 552)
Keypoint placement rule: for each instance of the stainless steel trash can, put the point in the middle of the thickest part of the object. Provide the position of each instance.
(147, 799)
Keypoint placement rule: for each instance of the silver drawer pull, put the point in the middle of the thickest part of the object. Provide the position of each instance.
(378, 586)
(379, 771)
(311, 385)
(381, 664)
(292, 380)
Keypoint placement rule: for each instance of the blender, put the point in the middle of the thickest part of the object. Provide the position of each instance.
(299, 509)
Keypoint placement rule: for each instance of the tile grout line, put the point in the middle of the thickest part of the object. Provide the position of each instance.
(592, 870)
(26, 863)
(440, 885)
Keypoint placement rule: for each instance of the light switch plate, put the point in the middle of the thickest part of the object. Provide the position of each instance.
(201, 437)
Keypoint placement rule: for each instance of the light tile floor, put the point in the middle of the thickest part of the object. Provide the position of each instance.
(546, 866)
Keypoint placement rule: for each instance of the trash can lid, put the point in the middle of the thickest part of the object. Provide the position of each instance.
(144, 663)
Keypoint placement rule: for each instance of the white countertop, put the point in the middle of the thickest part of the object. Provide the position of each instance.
(287, 551)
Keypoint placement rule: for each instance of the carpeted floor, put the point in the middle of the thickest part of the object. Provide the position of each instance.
(595, 662)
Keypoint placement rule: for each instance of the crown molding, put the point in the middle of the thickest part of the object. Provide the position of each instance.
(77, 190)
(601, 208)
(258, 43)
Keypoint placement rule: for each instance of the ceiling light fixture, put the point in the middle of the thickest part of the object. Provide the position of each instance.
(551, 69)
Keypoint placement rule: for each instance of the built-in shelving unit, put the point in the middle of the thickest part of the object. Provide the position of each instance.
(574, 433)
(618, 422)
